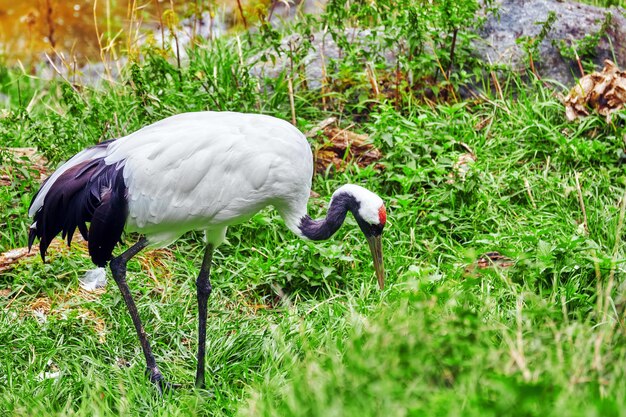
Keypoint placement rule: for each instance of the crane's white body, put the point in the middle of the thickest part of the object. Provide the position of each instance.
(206, 171)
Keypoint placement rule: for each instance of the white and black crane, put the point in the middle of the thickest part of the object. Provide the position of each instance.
(193, 171)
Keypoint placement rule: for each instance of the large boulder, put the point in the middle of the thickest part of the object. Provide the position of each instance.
(498, 41)
(516, 19)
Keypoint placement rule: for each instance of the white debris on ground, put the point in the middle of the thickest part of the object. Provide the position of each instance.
(52, 373)
(93, 279)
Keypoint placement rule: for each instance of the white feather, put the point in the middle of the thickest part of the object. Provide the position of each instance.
(369, 203)
(223, 168)
(93, 279)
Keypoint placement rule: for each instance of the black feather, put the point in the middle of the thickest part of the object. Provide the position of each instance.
(89, 192)
(107, 223)
(325, 228)
(340, 205)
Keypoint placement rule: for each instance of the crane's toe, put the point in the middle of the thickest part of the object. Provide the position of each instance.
(166, 387)
(156, 377)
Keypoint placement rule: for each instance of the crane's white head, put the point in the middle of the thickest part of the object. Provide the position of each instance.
(371, 216)
(371, 208)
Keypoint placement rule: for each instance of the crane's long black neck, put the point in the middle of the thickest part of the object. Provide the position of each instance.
(324, 228)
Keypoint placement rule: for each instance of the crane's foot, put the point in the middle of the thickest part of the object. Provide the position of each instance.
(204, 391)
(156, 377)
(166, 387)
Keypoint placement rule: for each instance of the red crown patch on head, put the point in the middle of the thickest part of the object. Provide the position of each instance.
(382, 215)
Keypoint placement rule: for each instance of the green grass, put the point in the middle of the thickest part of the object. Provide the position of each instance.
(300, 328)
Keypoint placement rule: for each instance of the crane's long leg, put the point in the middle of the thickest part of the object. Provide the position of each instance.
(118, 269)
(203, 288)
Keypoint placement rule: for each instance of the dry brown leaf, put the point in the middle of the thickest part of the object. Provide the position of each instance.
(482, 123)
(604, 92)
(461, 167)
(342, 146)
(490, 259)
(494, 259)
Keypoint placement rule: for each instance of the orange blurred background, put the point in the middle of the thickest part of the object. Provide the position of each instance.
(30, 28)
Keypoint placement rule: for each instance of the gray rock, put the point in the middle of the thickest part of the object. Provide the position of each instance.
(517, 18)
(496, 44)
(319, 56)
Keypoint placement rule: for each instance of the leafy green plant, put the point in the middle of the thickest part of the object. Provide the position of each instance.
(530, 44)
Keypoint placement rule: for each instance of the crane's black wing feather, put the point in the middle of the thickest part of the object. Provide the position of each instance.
(89, 192)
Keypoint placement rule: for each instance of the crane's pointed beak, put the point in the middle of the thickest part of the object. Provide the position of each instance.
(376, 248)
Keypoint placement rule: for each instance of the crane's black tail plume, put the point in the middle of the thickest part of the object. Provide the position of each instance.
(89, 192)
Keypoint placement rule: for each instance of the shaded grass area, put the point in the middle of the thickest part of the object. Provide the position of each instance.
(297, 328)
